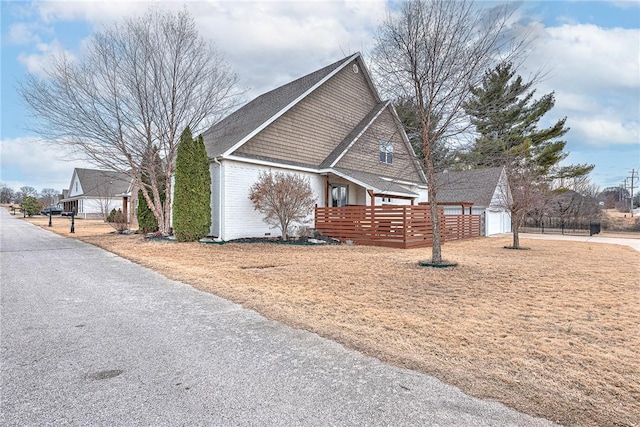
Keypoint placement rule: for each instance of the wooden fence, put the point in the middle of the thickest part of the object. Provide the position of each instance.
(406, 226)
(461, 226)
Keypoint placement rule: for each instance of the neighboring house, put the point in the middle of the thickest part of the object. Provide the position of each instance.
(330, 126)
(93, 193)
(477, 191)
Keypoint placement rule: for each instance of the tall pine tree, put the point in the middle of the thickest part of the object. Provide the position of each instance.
(192, 197)
(443, 156)
(506, 117)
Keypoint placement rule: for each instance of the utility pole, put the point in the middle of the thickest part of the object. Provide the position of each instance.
(634, 176)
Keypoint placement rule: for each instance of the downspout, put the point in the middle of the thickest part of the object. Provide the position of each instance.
(215, 159)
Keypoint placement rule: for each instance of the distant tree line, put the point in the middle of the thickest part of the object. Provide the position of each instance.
(46, 196)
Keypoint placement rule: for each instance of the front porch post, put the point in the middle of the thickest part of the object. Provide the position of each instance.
(373, 197)
(374, 226)
(125, 208)
(326, 190)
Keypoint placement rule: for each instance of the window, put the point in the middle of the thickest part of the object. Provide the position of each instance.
(386, 152)
(339, 195)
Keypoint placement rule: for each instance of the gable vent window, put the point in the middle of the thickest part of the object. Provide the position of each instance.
(386, 152)
(355, 68)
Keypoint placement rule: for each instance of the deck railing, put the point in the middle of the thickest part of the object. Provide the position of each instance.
(407, 226)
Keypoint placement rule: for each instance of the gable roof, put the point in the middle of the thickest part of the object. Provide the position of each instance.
(101, 183)
(254, 116)
(475, 186)
(237, 135)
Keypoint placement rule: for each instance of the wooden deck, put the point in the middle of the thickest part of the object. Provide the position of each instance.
(407, 226)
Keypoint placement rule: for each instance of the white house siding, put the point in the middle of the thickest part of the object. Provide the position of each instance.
(239, 219)
(457, 210)
(498, 219)
(91, 208)
(214, 170)
(76, 188)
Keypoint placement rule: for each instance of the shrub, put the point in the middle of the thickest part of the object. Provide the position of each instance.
(111, 215)
(117, 220)
(147, 221)
(31, 206)
(283, 199)
(192, 197)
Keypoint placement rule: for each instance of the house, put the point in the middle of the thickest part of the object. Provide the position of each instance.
(477, 192)
(93, 193)
(331, 127)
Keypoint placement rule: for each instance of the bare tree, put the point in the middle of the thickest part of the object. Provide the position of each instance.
(431, 53)
(527, 191)
(27, 191)
(283, 199)
(7, 194)
(136, 87)
(50, 196)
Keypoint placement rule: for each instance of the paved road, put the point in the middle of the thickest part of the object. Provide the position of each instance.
(92, 339)
(632, 243)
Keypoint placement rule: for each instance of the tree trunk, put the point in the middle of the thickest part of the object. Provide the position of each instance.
(436, 249)
(515, 225)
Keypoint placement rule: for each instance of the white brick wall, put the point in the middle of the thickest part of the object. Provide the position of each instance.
(239, 218)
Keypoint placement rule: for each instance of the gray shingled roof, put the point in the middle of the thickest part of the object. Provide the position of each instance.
(473, 186)
(377, 183)
(232, 129)
(100, 183)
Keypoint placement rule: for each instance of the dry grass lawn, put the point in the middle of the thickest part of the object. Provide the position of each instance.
(553, 331)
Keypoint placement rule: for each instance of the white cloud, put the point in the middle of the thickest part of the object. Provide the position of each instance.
(267, 42)
(93, 11)
(575, 102)
(587, 56)
(595, 74)
(37, 63)
(603, 131)
(32, 161)
(23, 33)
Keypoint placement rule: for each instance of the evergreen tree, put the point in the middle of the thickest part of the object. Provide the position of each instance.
(147, 220)
(192, 197)
(443, 156)
(30, 205)
(506, 118)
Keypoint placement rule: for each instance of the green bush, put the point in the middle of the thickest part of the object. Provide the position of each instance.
(31, 206)
(111, 215)
(192, 196)
(117, 220)
(147, 221)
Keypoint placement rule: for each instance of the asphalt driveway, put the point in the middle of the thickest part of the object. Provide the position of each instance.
(88, 338)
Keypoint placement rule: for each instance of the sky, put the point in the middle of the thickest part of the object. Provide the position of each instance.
(589, 52)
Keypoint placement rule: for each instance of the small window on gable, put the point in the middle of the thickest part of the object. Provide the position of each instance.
(386, 152)
(76, 185)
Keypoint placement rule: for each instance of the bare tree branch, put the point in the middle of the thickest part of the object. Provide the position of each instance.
(432, 52)
(136, 87)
